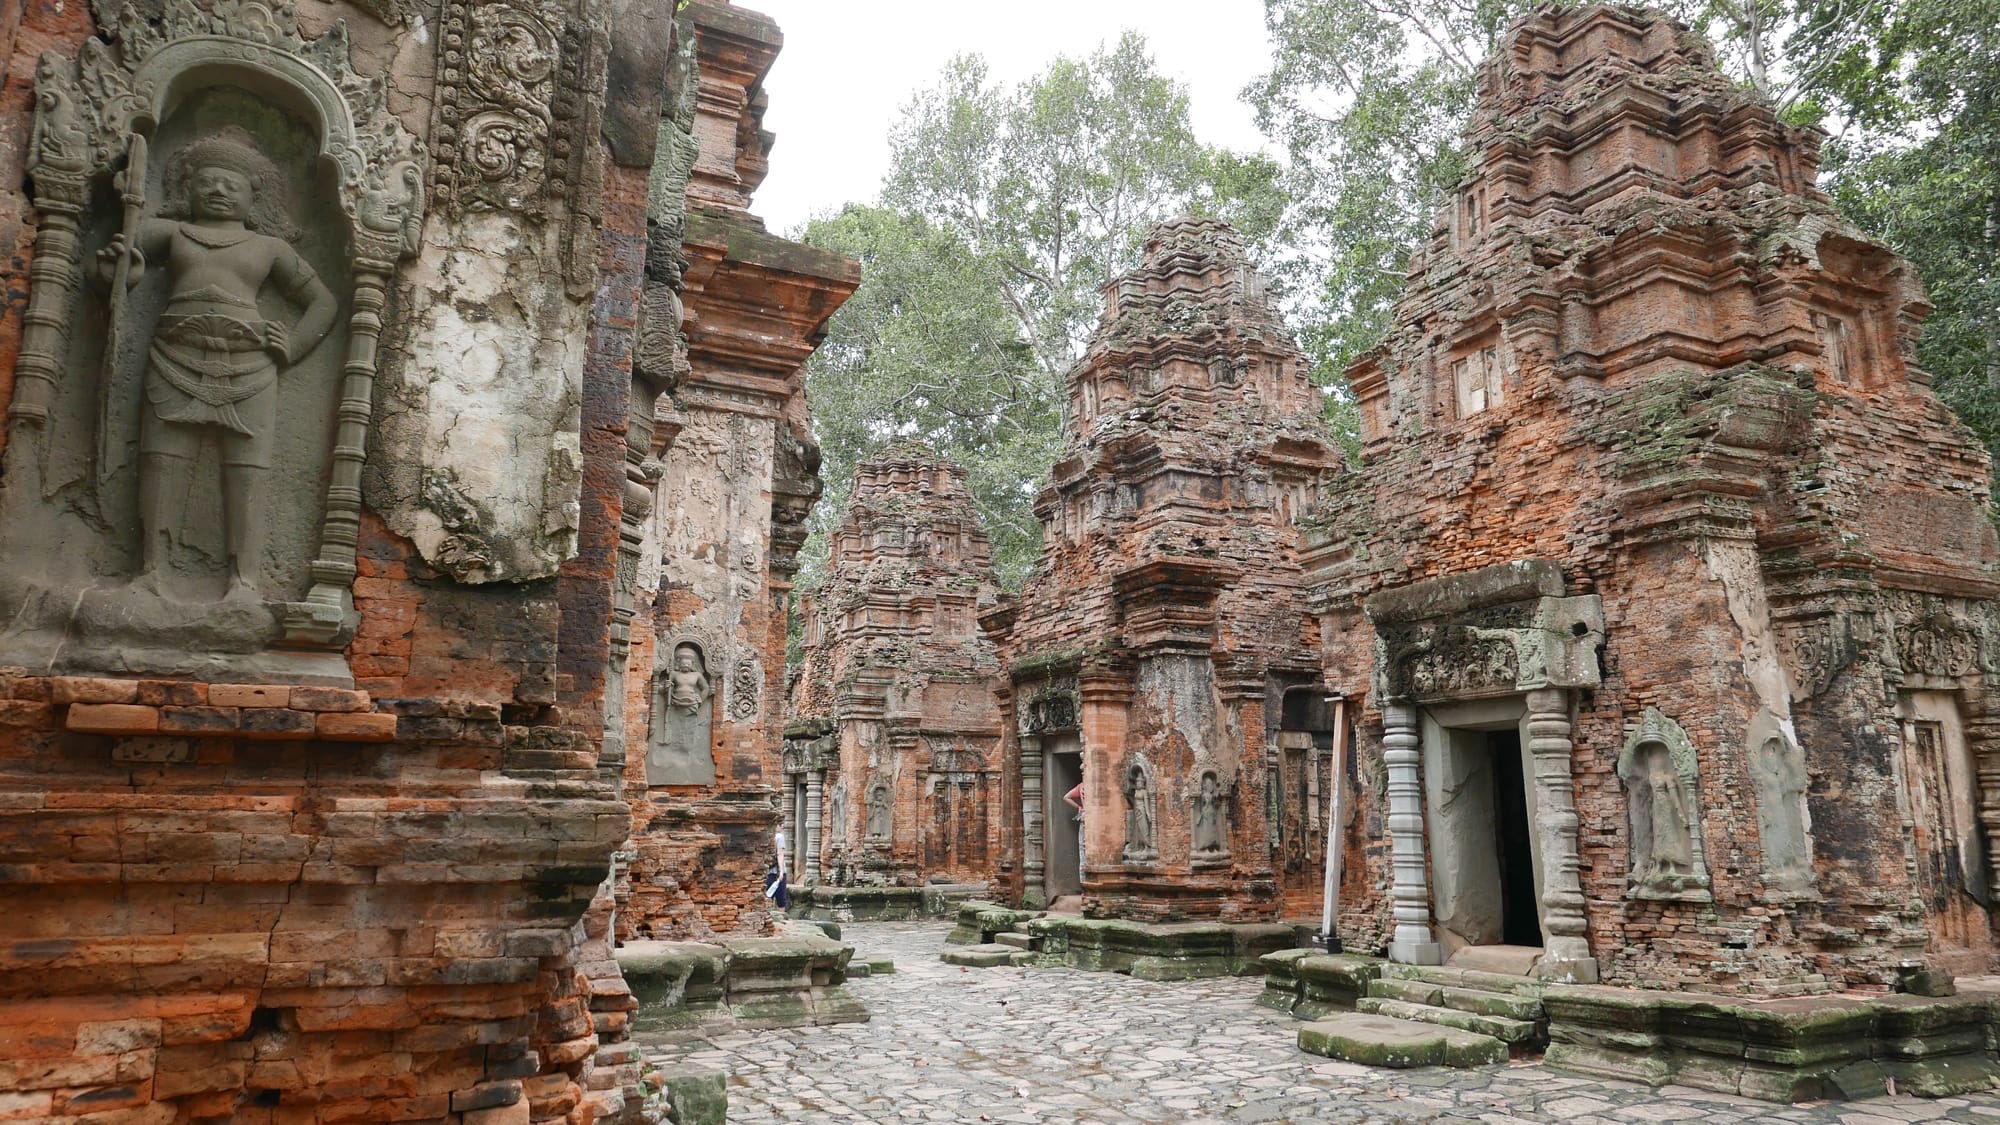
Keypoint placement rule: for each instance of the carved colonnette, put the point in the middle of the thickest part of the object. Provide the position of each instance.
(1503, 630)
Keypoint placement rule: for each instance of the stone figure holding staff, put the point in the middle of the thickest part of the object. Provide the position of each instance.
(214, 362)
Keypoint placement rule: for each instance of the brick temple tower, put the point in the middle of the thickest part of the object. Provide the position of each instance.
(1148, 655)
(737, 474)
(1668, 576)
(893, 760)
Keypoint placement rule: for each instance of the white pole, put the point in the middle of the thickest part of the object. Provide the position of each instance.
(1330, 892)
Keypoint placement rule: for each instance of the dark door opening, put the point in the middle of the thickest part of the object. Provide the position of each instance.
(1520, 922)
(800, 811)
(1061, 863)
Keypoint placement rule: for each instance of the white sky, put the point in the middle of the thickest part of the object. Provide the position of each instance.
(849, 66)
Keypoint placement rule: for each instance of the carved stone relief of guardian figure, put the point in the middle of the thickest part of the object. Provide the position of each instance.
(214, 361)
(683, 713)
(1659, 772)
(1139, 820)
(878, 812)
(222, 205)
(1778, 780)
(1210, 831)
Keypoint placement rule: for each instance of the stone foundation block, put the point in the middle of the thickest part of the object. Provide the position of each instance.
(695, 1096)
(1281, 979)
(1787, 1050)
(1373, 1040)
(976, 922)
(690, 989)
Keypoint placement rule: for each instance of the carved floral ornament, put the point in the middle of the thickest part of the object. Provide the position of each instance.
(497, 107)
(1051, 709)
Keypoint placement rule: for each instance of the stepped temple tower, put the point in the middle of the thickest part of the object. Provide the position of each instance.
(892, 762)
(1150, 654)
(1668, 580)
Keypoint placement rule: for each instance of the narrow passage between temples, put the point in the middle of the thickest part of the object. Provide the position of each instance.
(1056, 1045)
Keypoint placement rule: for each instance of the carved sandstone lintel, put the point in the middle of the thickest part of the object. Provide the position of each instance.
(1554, 646)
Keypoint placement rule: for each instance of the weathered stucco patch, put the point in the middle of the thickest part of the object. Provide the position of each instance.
(482, 416)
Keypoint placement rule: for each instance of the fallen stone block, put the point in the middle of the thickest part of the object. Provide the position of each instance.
(1373, 1040)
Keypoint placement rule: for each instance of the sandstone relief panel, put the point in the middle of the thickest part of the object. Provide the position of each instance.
(683, 713)
(215, 192)
(1658, 768)
(1139, 816)
(1778, 780)
(1209, 821)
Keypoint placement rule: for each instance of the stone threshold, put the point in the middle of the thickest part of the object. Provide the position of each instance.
(691, 990)
(1144, 950)
(825, 903)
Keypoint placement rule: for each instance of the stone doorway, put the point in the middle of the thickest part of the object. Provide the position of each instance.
(1938, 790)
(1063, 832)
(802, 815)
(1485, 859)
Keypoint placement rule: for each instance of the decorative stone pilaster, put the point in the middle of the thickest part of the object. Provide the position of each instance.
(1413, 943)
(815, 793)
(1034, 890)
(1566, 955)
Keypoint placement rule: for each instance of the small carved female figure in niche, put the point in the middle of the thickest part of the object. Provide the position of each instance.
(1208, 816)
(213, 366)
(1780, 782)
(1661, 830)
(878, 811)
(1138, 814)
(687, 684)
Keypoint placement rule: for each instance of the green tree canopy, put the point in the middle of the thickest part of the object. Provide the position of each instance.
(928, 347)
(1004, 212)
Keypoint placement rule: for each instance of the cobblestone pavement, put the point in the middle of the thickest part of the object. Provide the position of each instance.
(1055, 1045)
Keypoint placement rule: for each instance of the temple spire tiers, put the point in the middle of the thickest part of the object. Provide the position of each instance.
(1151, 655)
(735, 474)
(1631, 573)
(894, 745)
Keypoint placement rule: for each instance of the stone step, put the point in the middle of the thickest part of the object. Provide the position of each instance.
(1508, 1005)
(1377, 1040)
(1408, 991)
(880, 967)
(985, 956)
(1465, 978)
(1018, 941)
(1509, 1031)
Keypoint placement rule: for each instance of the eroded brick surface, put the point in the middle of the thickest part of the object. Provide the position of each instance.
(366, 893)
(740, 474)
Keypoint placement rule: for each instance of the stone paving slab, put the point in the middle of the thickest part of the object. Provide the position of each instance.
(1058, 1046)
